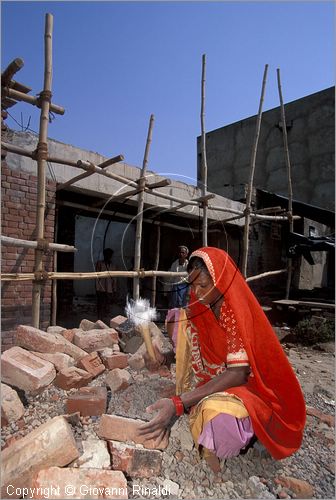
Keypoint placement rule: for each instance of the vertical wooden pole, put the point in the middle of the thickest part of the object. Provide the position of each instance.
(204, 166)
(141, 197)
(54, 282)
(42, 154)
(289, 178)
(250, 184)
(156, 264)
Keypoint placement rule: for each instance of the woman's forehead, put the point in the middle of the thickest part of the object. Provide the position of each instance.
(199, 276)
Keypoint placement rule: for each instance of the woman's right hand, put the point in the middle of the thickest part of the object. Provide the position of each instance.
(156, 427)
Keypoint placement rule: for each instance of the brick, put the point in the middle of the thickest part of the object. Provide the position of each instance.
(117, 321)
(86, 483)
(136, 362)
(92, 364)
(50, 444)
(302, 489)
(116, 428)
(58, 359)
(72, 377)
(92, 340)
(100, 324)
(69, 333)
(115, 361)
(40, 341)
(95, 455)
(11, 407)
(134, 461)
(87, 325)
(55, 329)
(324, 417)
(26, 371)
(89, 401)
(118, 379)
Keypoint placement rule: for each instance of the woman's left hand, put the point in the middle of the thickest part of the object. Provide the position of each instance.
(156, 427)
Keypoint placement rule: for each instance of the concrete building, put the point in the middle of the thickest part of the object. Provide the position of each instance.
(310, 125)
(90, 216)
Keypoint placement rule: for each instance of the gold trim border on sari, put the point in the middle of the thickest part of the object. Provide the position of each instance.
(211, 406)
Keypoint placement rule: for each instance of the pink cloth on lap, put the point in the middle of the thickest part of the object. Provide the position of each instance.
(226, 435)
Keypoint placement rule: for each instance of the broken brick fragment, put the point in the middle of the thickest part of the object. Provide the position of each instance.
(135, 461)
(115, 361)
(72, 377)
(118, 379)
(89, 401)
(92, 364)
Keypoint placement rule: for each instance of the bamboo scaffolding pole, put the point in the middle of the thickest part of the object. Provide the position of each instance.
(204, 166)
(169, 209)
(16, 242)
(88, 276)
(156, 264)
(42, 152)
(9, 72)
(120, 274)
(89, 167)
(250, 184)
(54, 282)
(125, 216)
(64, 185)
(265, 275)
(289, 178)
(35, 101)
(141, 201)
(133, 192)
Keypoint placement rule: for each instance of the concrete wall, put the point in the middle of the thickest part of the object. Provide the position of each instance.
(311, 139)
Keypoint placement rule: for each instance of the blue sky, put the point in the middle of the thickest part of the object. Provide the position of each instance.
(115, 63)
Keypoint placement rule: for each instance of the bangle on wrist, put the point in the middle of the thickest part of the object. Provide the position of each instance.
(179, 407)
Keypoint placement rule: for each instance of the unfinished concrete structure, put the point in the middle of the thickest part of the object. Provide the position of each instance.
(310, 124)
(90, 216)
(311, 140)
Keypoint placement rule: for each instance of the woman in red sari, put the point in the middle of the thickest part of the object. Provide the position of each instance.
(245, 385)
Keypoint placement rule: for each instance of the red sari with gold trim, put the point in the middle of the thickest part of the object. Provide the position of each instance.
(272, 395)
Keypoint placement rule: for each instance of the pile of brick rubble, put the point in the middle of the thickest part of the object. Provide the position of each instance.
(71, 403)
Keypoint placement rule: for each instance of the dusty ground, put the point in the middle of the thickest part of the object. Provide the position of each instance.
(253, 475)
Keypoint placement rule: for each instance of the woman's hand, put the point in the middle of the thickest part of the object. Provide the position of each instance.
(157, 426)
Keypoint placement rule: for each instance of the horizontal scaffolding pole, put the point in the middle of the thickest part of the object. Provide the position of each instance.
(16, 242)
(264, 275)
(89, 167)
(114, 274)
(88, 276)
(105, 164)
(30, 99)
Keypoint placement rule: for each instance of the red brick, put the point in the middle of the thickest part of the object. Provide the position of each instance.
(93, 340)
(92, 364)
(86, 483)
(88, 401)
(117, 321)
(136, 462)
(118, 379)
(113, 427)
(302, 489)
(72, 377)
(26, 371)
(115, 361)
(51, 443)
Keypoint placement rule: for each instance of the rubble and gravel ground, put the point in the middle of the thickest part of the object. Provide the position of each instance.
(251, 475)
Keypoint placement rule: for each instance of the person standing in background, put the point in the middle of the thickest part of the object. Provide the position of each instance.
(178, 287)
(178, 292)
